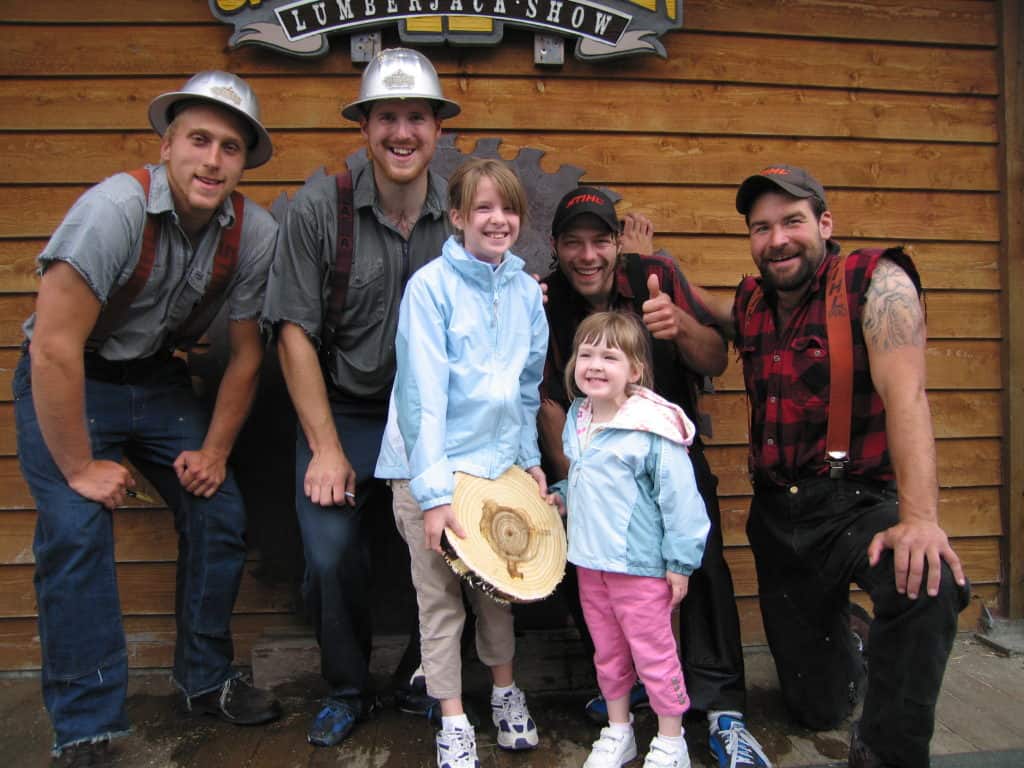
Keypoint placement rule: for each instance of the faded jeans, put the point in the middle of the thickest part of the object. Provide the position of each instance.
(150, 419)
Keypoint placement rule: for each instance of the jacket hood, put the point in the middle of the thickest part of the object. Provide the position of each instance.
(479, 272)
(645, 411)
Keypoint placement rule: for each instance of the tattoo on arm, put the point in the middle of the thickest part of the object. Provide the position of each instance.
(892, 311)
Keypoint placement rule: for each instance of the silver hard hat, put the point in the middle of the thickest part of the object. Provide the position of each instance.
(223, 89)
(400, 73)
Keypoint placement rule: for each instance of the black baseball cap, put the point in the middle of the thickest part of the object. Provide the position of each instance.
(790, 179)
(584, 200)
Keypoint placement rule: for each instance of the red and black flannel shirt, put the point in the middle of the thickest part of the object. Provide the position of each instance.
(787, 378)
(566, 309)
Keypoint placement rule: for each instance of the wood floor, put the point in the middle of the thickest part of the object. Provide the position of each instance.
(981, 710)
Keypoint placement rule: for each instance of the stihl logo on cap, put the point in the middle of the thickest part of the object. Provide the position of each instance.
(775, 172)
(585, 198)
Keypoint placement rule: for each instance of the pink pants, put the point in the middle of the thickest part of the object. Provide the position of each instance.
(630, 621)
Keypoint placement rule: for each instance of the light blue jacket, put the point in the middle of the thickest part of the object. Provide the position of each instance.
(631, 495)
(470, 348)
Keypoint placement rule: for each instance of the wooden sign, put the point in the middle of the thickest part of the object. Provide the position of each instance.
(602, 29)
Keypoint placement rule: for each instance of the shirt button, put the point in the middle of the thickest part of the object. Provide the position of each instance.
(770, 441)
(794, 489)
(776, 358)
(772, 399)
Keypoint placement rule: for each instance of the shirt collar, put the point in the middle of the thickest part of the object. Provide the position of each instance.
(364, 188)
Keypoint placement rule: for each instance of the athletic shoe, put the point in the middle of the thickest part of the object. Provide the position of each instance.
(456, 748)
(333, 723)
(613, 749)
(597, 707)
(516, 729)
(666, 754)
(733, 746)
(414, 699)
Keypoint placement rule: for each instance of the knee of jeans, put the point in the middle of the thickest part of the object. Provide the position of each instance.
(87, 667)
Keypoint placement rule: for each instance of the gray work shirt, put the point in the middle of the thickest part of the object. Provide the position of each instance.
(101, 237)
(361, 361)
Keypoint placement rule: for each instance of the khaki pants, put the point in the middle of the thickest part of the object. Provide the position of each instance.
(442, 614)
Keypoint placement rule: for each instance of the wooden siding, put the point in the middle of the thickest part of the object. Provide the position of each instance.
(895, 106)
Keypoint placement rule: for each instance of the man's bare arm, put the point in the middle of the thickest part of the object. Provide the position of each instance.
(894, 332)
(202, 472)
(329, 477)
(66, 311)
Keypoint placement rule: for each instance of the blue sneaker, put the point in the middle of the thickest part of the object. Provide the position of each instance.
(332, 723)
(597, 707)
(733, 746)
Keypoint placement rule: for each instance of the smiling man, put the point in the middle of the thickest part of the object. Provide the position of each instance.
(594, 275)
(821, 517)
(138, 269)
(348, 246)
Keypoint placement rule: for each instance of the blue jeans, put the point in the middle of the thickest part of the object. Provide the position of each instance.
(85, 659)
(336, 542)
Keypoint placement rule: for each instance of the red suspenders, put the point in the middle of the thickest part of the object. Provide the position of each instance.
(343, 260)
(224, 264)
(840, 365)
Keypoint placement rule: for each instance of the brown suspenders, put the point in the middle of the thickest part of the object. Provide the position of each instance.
(224, 264)
(840, 365)
(840, 370)
(343, 260)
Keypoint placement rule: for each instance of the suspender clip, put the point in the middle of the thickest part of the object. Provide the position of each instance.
(837, 461)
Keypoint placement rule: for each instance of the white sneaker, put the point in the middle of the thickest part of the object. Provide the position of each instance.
(456, 748)
(613, 749)
(516, 729)
(666, 754)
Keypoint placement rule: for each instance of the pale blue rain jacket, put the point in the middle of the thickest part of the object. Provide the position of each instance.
(470, 350)
(631, 494)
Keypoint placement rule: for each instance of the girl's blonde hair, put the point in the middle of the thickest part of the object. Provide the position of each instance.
(464, 182)
(618, 330)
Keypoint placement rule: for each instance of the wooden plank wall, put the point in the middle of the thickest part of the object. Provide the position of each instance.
(894, 106)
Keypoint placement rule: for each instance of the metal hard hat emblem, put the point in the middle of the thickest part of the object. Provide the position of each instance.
(399, 81)
(400, 73)
(226, 90)
(227, 93)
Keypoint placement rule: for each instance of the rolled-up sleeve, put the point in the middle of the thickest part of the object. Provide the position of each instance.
(295, 286)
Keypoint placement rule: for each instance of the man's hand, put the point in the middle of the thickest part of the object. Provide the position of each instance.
(915, 543)
(201, 472)
(637, 234)
(435, 520)
(102, 481)
(661, 315)
(679, 584)
(330, 480)
(543, 288)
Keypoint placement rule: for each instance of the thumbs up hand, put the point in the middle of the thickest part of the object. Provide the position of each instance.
(653, 285)
(661, 315)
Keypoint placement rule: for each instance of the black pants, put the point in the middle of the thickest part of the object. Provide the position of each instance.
(810, 542)
(710, 647)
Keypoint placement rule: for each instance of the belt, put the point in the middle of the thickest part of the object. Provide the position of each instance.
(138, 371)
(763, 487)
